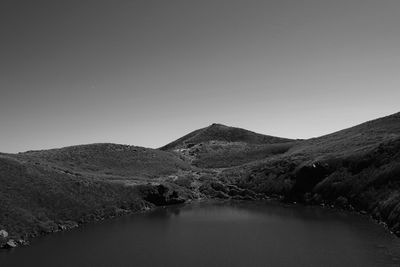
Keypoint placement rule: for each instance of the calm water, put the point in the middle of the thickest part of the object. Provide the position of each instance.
(218, 234)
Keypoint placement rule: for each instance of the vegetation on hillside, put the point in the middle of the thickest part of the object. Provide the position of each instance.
(219, 132)
(220, 146)
(50, 190)
(357, 168)
(109, 160)
(217, 154)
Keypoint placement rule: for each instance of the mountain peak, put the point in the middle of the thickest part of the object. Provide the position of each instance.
(220, 132)
(218, 126)
(215, 124)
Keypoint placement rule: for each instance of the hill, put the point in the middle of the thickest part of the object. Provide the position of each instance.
(219, 132)
(50, 190)
(356, 168)
(107, 160)
(220, 146)
(355, 139)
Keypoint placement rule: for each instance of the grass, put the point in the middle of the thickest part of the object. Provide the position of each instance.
(41, 190)
(229, 154)
(34, 200)
(107, 160)
(359, 166)
(219, 132)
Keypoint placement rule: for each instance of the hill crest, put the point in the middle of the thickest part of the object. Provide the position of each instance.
(221, 132)
(359, 137)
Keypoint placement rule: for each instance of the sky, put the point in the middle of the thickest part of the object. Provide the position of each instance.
(145, 72)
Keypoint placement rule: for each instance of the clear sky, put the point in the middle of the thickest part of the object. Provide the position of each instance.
(145, 72)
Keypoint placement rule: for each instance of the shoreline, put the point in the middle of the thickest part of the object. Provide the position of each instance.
(148, 207)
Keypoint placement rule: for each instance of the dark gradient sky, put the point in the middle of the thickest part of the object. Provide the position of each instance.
(146, 72)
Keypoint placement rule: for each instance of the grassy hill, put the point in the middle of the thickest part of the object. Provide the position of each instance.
(355, 139)
(45, 191)
(107, 160)
(356, 168)
(219, 132)
(220, 146)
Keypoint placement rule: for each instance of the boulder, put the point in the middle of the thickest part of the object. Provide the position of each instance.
(3, 234)
(3, 238)
(161, 195)
(341, 202)
(11, 244)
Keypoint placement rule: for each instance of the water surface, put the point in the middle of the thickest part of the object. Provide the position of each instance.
(218, 234)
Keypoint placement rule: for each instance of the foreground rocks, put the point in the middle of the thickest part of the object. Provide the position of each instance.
(3, 238)
(162, 195)
(11, 244)
(3, 234)
(6, 242)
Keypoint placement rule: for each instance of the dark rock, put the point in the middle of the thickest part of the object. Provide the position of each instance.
(341, 202)
(189, 145)
(220, 194)
(160, 195)
(218, 186)
(307, 177)
(233, 192)
(317, 198)
(308, 197)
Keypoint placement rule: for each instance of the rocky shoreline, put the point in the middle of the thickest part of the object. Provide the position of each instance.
(159, 195)
(192, 186)
(152, 195)
(9, 242)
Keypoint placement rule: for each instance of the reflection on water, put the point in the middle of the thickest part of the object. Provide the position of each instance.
(218, 234)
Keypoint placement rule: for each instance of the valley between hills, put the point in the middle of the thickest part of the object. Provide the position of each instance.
(356, 169)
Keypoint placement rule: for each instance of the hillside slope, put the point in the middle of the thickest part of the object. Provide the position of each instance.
(219, 132)
(356, 168)
(355, 139)
(107, 160)
(50, 190)
(220, 146)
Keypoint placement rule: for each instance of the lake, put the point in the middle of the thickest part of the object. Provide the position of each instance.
(218, 234)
